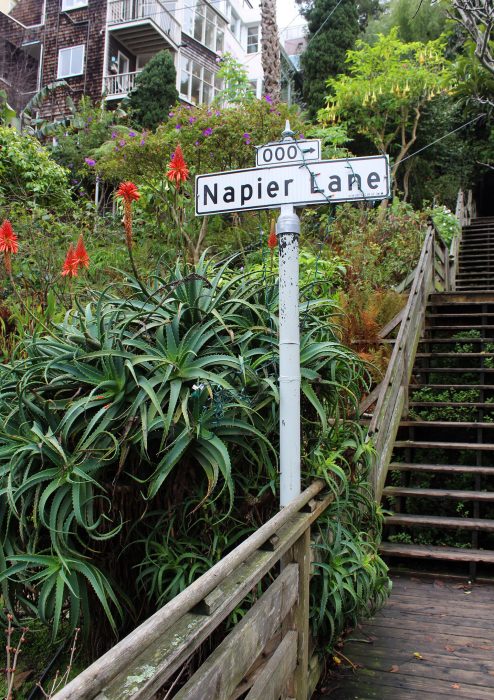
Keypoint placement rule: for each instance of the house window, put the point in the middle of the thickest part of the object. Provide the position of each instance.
(71, 61)
(205, 26)
(253, 39)
(73, 4)
(198, 84)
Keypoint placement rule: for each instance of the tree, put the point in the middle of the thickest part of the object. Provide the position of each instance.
(333, 28)
(477, 18)
(416, 20)
(237, 86)
(387, 89)
(155, 91)
(270, 56)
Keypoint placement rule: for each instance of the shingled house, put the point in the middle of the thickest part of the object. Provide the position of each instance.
(99, 46)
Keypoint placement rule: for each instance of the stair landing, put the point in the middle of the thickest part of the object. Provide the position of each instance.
(433, 640)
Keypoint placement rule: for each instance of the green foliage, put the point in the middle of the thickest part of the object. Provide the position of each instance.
(420, 20)
(237, 86)
(329, 41)
(350, 579)
(145, 422)
(446, 223)
(386, 90)
(89, 127)
(28, 175)
(381, 249)
(154, 92)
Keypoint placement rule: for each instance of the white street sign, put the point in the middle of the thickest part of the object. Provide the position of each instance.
(280, 153)
(341, 180)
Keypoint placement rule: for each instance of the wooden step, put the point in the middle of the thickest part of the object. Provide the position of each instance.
(452, 494)
(439, 521)
(451, 370)
(440, 468)
(452, 340)
(457, 404)
(457, 425)
(420, 387)
(461, 315)
(454, 354)
(457, 327)
(392, 549)
(429, 445)
(450, 298)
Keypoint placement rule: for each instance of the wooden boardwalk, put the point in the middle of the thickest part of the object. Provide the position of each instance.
(433, 640)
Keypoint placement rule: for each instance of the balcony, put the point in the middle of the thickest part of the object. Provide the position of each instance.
(143, 26)
(119, 85)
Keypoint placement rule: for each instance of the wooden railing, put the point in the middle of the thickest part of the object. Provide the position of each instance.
(123, 11)
(436, 271)
(120, 84)
(265, 655)
(392, 401)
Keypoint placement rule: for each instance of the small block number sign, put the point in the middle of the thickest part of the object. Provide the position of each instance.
(280, 153)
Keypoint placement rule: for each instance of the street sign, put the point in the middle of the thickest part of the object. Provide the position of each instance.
(280, 153)
(341, 180)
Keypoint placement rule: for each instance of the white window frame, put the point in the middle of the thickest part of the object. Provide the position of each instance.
(257, 37)
(68, 5)
(201, 9)
(188, 96)
(71, 48)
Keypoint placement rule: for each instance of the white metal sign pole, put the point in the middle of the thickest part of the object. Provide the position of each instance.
(288, 231)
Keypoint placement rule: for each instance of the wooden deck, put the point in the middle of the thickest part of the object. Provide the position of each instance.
(433, 640)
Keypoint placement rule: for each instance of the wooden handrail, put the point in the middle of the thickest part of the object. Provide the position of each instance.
(163, 643)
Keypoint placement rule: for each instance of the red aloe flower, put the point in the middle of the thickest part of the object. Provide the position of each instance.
(177, 168)
(70, 265)
(8, 244)
(8, 239)
(128, 192)
(80, 253)
(272, 239)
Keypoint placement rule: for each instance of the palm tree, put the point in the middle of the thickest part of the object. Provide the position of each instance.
(271, 61)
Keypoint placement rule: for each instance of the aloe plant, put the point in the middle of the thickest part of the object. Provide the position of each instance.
(139, 443)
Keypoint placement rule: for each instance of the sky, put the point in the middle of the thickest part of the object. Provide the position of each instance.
(287, 14)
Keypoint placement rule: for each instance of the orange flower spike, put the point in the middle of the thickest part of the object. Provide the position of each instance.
(129, 193)
(80, 253)
(70, 265)
(272, 238)
(177, 168)
(8, 239)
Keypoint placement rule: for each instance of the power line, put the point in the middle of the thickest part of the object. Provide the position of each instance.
(322, 25)
(443, 137)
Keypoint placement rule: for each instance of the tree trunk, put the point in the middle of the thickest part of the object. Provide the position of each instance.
(271, 61)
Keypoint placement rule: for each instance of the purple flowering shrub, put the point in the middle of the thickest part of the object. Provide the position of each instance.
(213, 138)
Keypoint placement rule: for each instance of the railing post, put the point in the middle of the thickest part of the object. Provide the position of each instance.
(299, 618)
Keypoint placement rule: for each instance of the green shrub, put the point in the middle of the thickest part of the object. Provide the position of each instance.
(28, 175)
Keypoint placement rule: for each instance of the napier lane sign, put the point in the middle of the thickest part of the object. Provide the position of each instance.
(341, 180)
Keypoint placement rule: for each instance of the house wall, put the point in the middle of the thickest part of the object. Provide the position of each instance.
(85, 25)
(29, 12)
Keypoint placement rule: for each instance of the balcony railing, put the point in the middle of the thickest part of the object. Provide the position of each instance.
(123, 11)
(120, 84)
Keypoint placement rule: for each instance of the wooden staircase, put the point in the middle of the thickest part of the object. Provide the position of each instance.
(440, 484)
(476, 261)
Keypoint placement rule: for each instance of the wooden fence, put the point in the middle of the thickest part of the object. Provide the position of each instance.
(436, 271)
(266, 654)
